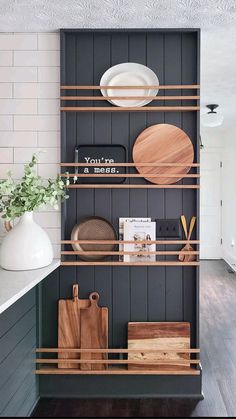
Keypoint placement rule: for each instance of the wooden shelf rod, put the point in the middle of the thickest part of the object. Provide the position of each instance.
(102, 98)
(145, 87)
(116, 253)
(117, 361)
(161, 242)
(118, 350)
(129, 109)
(57, 371)
(129, 175)
(129, 186)
(159, 263)
(141, 164)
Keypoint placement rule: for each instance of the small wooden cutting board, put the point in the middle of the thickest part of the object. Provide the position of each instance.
(69, 326)
(158, 335)
(94, 332)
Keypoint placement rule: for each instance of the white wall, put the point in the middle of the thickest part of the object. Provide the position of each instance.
(29, 111)
(229, 197)
(210, 193)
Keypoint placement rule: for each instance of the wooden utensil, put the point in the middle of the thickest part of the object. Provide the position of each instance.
(93, 228)
(163, 143)
(158, 335)
(94, 332)
(69, 325)
(187, 248)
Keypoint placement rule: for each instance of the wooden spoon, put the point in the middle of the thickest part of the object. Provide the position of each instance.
(187, 248)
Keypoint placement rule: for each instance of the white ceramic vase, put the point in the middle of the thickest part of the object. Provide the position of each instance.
(26, 246)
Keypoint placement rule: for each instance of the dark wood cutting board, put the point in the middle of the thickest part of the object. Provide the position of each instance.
(94, 332)
(69, 326)
(158, 335)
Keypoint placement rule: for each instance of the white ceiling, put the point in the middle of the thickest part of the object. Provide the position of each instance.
(216, 18)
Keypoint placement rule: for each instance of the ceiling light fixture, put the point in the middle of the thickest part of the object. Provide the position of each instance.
(212, 118)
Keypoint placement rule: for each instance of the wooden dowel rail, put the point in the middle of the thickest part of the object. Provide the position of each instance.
(116, 253)
(145, 87)
(117, 361)
(129, 175)
(161, 242)
(129, 186)
(102, 98)
(111, 263)
(68, 371)
(141, 164)
(129, 109)
(118, 350)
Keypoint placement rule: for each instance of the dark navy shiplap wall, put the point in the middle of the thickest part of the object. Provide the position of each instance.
(130, 293)
(18, 332)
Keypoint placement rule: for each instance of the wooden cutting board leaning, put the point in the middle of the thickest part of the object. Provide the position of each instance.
(69, 326)
(94, 333)
(159, 335)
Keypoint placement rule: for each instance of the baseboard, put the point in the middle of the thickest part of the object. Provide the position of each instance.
(231, 265)
(33, 407)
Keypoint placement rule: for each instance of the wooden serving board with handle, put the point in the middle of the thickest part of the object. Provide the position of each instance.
(158, 335)
(94, 332)
(69, 325)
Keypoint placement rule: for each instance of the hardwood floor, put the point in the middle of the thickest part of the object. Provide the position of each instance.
(218, 356)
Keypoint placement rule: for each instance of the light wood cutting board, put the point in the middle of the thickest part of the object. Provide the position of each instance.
(94, 332)
(163, 143)
(158, 335)
(69, 326)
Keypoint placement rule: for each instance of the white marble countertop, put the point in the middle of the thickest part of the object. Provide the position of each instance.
(15, 284)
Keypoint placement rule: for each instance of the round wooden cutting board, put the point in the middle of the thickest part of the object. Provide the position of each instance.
(163, 143)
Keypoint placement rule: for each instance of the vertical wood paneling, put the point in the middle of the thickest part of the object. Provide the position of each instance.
(189, 75)
(173, 198)
(138, 294)
(138, 198)
(155, 198)
(85, 135)
(120, 206)
(102, 202)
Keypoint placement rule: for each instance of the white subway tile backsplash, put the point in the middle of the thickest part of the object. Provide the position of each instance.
(54, 234)
(25, 41)
(49, 41)
(46, 155)
(5, 90)
(25, 90)
(48, 74)
(29, 112)
(6, 155)
(37, 123)
(37, 90)
(6, 41)
(48, 219)
(16, 170)
(49, 139)
(37, 58)
(18, 139)
(56, 251)
(18, 106)
(6, 58)
(48, 106)
(48, 170)
(18, 74)
(6, 122)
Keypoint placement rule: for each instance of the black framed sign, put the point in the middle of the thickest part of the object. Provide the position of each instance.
(114, 153)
